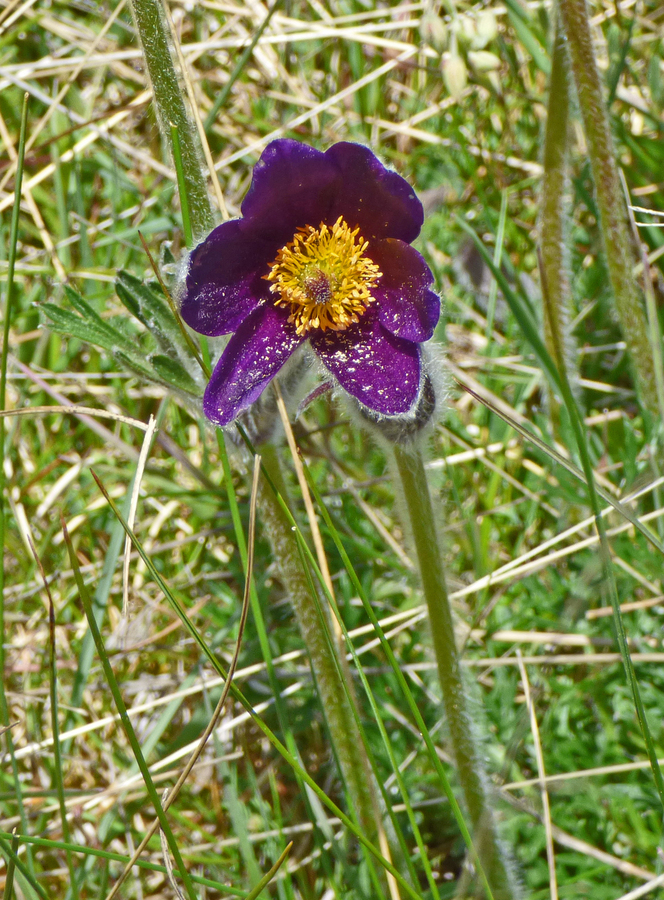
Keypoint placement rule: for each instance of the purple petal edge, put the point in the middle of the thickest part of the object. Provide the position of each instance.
(223, 283)
(380, 370)
(379, 200)
(407, 306)
(253, 356)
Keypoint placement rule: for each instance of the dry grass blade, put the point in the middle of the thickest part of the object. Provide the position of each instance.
(131, 517)
(644, 889)
(76, 411)
(534, 728)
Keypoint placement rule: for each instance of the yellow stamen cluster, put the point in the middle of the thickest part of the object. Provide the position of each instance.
(324, 276)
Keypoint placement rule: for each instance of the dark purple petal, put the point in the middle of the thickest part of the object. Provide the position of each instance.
(293, 185)
(252, 357)
(381, 370)
(407, 306)
(381, 202)
(223, 283)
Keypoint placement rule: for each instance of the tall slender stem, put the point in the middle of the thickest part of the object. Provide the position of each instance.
(553, 246)
(620, 258)
(335, 700)
(9, 299)
(154, 35)
(422, 526)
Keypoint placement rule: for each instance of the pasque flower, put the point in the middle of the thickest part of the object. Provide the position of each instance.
(321, 254)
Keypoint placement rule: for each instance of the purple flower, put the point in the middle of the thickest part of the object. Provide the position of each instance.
(322, 253)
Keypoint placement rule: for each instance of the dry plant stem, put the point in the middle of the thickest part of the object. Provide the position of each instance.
(620, 258)
(170, 106)
(422, 526)
(554, 269)
(348, 743)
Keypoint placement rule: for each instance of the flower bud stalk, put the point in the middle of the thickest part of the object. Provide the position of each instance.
(422, 527)
(620, 257)
(335, 699)
(154, 35)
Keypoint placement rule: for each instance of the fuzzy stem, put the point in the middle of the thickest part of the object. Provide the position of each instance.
(555, 281)
(155, 38)
(620, 257)
(348, 743)
(422, 527)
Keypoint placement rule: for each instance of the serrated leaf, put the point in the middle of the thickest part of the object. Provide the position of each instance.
(154, 312)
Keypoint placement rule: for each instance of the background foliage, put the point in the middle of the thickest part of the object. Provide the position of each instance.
(455, 99)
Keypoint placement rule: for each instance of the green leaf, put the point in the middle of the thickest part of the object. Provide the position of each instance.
(150, 307)
(66, 322)
(174, 374)
(89, 315)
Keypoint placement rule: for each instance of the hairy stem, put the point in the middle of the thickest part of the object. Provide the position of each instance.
(336, 702)
(620, 257)
(554, 268)
(422, 526)
(155, 38)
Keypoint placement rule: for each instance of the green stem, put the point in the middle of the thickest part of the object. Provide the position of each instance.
(422, 526)
(554, 274)
(620, 257)
(335, 699)
(155, 38)
(9, 300)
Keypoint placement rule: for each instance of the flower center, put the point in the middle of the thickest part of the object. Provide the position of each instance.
(324, 276)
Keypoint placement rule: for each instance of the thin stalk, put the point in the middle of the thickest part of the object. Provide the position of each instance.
(9, 299)
(422, 524)
(348, 743)
(224, 93)
(259, 622)
(57, 750)
(289, 758)
(125, 720)
(554, 268)
(9, 852)
(11, 868)
(155, 39)
(620, 258)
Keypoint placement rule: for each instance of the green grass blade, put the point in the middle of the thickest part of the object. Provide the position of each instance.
(560, 380)
(10, 853)
(239, 696)
(55, 724)
(9, 299)
(111, 856)
(281, 708)
(239, 66)
(11, 868)
(126, 721)
(267, 878)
